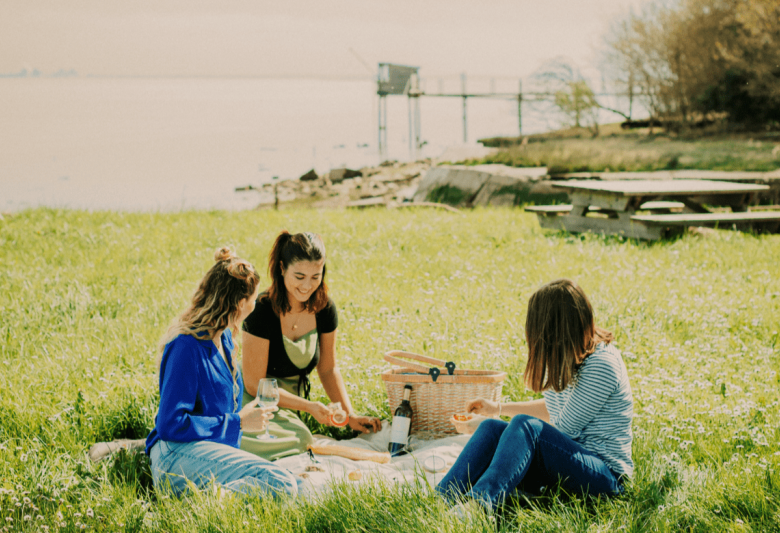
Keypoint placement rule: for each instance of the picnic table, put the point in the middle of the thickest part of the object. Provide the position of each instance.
(653, 209)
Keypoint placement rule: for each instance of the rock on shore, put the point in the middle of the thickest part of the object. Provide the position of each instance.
(392, 183)
(486, 185)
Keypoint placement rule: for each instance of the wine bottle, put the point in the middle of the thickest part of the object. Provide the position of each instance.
(402, 424)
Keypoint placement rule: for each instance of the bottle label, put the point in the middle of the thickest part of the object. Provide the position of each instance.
(400, 430)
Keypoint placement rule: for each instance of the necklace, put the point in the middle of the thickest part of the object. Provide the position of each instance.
(297, 317)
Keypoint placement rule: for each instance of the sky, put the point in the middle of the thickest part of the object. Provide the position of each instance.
(306, 38)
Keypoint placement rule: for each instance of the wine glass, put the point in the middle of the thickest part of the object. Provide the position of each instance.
(267, 396)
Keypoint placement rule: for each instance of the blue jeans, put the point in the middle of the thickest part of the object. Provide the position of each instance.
(525, 454)
(201, 462)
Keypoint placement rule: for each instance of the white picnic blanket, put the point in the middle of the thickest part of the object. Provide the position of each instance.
(401, 469)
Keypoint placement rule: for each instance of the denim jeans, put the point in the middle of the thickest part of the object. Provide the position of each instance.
(201, 462)
(525, 454)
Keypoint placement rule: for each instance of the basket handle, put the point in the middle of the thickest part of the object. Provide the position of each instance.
(395, 357)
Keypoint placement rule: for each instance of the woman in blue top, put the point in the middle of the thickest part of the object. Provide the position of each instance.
(200, 421)
(579, 434)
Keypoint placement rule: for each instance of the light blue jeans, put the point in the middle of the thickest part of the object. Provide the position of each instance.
(204, 462)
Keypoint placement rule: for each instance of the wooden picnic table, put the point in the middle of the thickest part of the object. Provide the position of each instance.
(641, 208)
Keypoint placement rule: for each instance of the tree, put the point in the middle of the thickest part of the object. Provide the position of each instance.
(576, 100)
(689, 58)
(569, 93)
(749, 90)
(637, 54)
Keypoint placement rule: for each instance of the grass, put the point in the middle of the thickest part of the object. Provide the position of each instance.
(85, 297)
(447, 194)
(616, 150)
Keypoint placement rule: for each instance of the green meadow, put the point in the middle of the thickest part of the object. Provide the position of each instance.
(576, 150)
(84, 298)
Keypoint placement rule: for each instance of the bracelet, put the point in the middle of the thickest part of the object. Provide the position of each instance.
(499, 409)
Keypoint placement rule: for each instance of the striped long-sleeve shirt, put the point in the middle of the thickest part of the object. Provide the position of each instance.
(596, 409)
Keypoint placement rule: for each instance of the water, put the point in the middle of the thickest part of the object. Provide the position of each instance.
(173, 144)
(267, 401)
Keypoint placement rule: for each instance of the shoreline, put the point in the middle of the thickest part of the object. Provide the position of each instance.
(388, 183)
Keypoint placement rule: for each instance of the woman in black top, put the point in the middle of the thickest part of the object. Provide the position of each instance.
(291, 332)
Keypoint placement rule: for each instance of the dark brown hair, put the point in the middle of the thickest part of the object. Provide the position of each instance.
(559, 330)
(289, 249)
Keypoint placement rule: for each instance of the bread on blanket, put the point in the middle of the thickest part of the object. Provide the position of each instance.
(356, 454)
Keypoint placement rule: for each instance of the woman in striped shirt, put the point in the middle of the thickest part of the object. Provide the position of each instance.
(578, 434)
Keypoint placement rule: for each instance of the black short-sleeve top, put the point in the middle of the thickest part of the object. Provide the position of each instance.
(264, 323)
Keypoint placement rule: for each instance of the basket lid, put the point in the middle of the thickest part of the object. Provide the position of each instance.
(403, 375)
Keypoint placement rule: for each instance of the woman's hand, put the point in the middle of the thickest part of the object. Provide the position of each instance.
(365, 424)
(254, 418)
(320, 413)
(482, 407)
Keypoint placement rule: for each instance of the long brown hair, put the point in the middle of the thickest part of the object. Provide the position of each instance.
(559, 330)
(215, 303)
(289, 249)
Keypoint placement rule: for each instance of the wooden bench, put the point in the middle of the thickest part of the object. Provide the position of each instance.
(551, 209)
(767, 218)
(763, 220)
(566, 208)
(644, 209)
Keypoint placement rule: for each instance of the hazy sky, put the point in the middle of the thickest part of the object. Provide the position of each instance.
(300, 38)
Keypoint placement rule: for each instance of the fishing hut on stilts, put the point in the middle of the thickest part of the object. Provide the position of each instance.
(405, 80)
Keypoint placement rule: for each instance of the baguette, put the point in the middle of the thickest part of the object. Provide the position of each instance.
(356, 454)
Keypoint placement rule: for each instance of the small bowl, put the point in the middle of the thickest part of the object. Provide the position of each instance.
(466, 423)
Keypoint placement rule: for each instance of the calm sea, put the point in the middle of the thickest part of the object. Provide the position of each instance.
(172, 144)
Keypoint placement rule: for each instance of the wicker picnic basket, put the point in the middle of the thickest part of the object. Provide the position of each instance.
(438, 392)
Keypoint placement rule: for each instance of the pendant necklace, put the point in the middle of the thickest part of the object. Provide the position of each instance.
(295, 324)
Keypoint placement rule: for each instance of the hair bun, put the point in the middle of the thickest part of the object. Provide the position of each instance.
(224, 254)
(240, 269)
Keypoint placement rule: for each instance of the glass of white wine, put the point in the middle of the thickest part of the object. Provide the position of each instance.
(267, 396)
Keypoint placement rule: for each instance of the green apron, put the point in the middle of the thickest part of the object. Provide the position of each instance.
(293, 436)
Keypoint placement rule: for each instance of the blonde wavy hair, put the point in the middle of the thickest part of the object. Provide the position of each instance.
(214, 305)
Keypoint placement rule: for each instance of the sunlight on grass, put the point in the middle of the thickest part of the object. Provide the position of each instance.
(86, 296)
